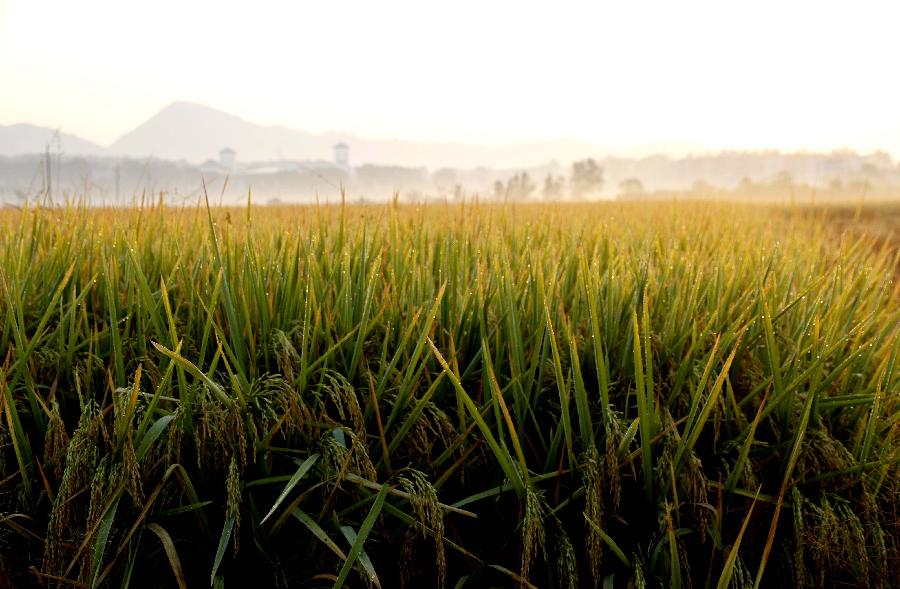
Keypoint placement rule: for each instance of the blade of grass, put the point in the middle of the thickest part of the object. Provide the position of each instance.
(361, 536)
(171, 553)
(301, 472)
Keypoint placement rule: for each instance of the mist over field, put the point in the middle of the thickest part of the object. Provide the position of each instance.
(186, 146)
(774, 103)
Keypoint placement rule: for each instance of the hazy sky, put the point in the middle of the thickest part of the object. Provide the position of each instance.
(629, 76)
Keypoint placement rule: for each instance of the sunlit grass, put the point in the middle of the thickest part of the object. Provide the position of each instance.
(463, 396)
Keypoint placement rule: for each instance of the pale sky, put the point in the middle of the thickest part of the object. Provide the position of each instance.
(628, 76)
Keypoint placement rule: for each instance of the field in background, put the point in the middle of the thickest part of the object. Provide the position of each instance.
(632, 394)
(880, 220)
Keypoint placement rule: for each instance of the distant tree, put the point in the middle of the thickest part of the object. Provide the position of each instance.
(519, 187)
(499, 190)
(783, 179)
(445, 179)
(526, 187)
(587, 179)
(871, 172)
(631, 188)
(553, 187)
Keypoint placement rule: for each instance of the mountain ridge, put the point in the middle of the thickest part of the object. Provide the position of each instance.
(25, 138)
(199, 132)
(195, 132)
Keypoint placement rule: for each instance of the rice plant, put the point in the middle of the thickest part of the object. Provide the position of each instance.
(470, 395)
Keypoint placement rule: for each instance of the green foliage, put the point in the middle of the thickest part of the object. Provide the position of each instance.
(467, 396)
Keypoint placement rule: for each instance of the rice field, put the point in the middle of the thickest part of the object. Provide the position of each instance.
(453, 396)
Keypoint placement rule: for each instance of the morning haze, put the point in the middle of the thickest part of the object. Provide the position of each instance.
(444, 99)
(185, 146)
(628, 78)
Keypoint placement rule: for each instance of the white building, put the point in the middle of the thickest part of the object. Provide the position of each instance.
(227, 158)
(342, 155)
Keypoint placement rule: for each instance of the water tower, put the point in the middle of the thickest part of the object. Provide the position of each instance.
(227, 158)
(342, 155)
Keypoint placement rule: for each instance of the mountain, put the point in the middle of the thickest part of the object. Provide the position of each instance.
(21, 139)
(196, 133)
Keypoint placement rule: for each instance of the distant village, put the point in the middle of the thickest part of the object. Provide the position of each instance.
(226, 178)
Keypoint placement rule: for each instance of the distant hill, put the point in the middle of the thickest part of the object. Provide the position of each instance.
(196, 133)
(23, 139)
(184, 130)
